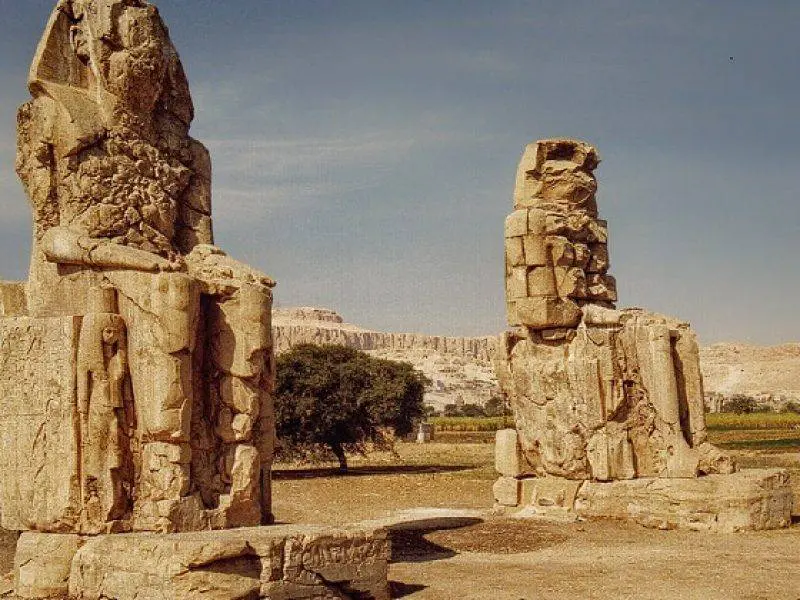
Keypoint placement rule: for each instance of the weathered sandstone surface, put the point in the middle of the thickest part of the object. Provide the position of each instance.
(280, 562)
(598, 393)
(748, 500)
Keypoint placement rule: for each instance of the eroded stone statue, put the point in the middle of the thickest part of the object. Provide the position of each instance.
(173, 425)
(608, 403)
(136, 363)
(598, 393)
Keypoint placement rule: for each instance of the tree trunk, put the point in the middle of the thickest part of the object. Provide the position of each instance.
(338, 452)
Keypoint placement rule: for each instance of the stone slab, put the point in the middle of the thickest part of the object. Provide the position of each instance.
(507, 453)
(13, 302)
(42, 564)
(749, 500)
(506, 491)
(277, 563)
(38, 468)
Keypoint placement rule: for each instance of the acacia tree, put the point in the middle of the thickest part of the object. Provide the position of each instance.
(339, 398)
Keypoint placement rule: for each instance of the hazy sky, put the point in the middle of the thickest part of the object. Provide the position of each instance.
(364, 150)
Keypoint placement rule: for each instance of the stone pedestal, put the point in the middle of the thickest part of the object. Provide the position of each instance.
(748, 500)
(280, 562)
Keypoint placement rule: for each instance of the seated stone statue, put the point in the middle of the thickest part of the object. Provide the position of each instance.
(598, 393)
(164, 419)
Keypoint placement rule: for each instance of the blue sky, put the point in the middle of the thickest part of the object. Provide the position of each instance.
(364, 150)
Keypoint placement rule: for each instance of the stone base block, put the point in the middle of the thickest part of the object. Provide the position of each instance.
(752, 499)
(749, 500)
(275, 563)
(506, 491)
(42, 564)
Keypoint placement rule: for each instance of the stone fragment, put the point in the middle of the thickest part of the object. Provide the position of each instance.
(39, 461)
(506, 491)
(547, 312)
(270, 562)
(545, 493)
(598, 261)
(508, 459)
(514, 252)
(542, 282)
(563, 251)
(571, 282)
(601, 288)
(13, 300)
(536, 250)
(42, 564)
(517, 224)
(517, 284)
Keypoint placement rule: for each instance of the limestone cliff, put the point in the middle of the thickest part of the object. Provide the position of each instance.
(459, 367)
(769, 373)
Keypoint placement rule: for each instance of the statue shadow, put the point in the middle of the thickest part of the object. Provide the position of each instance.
(410, 544)
(364, 471)
(399, 589)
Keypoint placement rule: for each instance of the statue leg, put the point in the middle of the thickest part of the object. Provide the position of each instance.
(240, 352)
(161, 313)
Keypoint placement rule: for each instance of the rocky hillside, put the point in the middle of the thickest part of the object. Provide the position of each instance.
(461, 368)
(768, 373)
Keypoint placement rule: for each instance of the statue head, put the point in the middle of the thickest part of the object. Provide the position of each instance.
(120, 54)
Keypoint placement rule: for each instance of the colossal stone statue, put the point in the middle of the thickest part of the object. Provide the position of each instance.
(173, 425)
(608, 403)
(136, 363)
(598, 393)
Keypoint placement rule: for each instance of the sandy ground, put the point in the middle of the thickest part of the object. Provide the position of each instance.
(493, 557)
(602, 560)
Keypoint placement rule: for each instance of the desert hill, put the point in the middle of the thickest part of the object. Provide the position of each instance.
(461, 367)
(770, 373)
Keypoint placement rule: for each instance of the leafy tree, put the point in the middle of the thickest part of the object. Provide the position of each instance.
(472, 410)
(430, 411)
(792, 407)
(339, 398)
(451, 410)
(740, 404)
(498, 406)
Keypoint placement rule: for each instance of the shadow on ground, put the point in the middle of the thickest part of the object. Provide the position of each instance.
(412, 546)
(290, 474)
(401, 590)
(494, 536)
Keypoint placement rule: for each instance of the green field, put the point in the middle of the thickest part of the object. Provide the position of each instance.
(770, 432)
(471, 424)
(731, 421)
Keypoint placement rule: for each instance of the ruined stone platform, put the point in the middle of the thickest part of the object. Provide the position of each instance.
(748, 500)
(276, 563)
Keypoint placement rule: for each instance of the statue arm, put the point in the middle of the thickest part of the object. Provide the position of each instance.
(64, 246)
